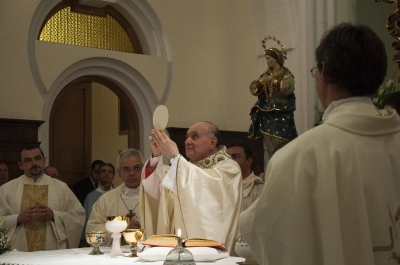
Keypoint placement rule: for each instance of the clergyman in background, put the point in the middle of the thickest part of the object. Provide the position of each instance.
(88, 184)
(52, 172)
(252, 184)
(124, 199)
(4, 173)
(41, 213)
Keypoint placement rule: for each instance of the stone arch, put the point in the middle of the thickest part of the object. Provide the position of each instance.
(131, 83)
(154, 42)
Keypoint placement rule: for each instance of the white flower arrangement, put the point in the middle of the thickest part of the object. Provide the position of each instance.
(383, 92)
(4, 247)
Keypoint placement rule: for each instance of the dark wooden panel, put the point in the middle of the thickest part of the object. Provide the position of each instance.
(14, 135)
(178, 135)
(70, 133)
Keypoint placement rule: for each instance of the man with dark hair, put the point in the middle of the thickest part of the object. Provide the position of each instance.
(88, 184)
(43, 213)
(4, 174)
(252, 184)
(203, 197)
(392, 101)
(332, 194)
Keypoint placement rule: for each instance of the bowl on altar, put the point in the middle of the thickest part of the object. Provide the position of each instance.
(133, 237)
(118, 218)
(95, 239)
(116, 226)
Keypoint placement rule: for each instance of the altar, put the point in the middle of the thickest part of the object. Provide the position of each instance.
(80, 256)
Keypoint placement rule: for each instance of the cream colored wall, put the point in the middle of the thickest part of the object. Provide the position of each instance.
(213, 53)
(19, 97)
(211, 44)
(214, 60)
(106, 141)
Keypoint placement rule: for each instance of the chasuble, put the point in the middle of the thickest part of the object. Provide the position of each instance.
(112, 203)
(202, 199)
(332, 195)
(252, 188)
(69, 215)
(90, 200)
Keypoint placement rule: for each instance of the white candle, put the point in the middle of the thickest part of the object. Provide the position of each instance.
(179, 232)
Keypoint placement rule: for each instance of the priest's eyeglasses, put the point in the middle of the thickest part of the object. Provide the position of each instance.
(314, 71)
(135, 169)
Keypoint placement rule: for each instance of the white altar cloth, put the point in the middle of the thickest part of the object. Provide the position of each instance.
(80, 256)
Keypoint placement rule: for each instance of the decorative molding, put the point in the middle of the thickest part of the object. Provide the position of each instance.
(97, 3)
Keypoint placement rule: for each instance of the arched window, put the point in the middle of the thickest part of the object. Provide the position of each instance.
(106, 29)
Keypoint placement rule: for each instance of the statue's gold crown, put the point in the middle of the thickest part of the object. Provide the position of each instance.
(264, 40)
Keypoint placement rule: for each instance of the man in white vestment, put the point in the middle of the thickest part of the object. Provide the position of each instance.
(41, 212)
(123, 200)
(332, 194)
(203, 197)
(252, 185)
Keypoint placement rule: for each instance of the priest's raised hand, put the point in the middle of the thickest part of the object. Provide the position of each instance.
(161, 144)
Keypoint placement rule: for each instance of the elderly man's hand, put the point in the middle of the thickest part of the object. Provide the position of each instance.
(155, 149)
(164, 143)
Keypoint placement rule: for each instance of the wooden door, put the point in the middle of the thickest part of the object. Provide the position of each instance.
(70, 132)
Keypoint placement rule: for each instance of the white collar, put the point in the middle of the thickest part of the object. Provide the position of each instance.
(128, 193)
(334, 104)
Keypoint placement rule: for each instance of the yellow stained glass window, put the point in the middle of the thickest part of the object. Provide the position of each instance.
(79, 29)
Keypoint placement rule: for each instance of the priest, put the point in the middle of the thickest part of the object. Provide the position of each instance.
(40, 212)
(202, 196)
(332, 194)
(123, 200)
(252, 185)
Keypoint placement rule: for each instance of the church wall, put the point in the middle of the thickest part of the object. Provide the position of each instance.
(212, 47)
(214, 53)
(212, 50)
(19, 96)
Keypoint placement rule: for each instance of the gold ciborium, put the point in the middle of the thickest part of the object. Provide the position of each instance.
(118, 218)
(133, 237)
(95, 239)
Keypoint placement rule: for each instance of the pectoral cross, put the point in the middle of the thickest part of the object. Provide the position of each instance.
(131, 215)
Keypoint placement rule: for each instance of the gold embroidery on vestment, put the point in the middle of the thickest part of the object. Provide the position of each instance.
(35, 231)
(212, 160)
